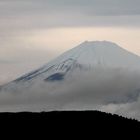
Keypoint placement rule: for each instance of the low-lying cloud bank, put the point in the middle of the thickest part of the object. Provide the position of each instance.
(115, 90)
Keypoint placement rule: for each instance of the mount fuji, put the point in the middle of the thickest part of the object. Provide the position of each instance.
(85, 57)
(92, 75)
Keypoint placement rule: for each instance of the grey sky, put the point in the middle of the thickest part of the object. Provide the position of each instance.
(19, 15)
(22, 19)
(48, 13)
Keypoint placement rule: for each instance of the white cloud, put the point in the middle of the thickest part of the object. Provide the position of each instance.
(107, 90)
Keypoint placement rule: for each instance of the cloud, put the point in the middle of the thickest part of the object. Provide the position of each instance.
(111, 90)
(30, 14)
(130, 110)
(98, 7)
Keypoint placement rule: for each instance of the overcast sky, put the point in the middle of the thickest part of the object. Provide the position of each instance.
(32, 32)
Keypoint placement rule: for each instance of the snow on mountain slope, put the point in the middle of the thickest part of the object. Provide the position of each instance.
(84, 57)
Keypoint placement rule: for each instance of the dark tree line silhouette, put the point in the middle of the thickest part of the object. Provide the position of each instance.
(78, 116)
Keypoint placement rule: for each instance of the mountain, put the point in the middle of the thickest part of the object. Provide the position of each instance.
(95, 75)
(84, 57)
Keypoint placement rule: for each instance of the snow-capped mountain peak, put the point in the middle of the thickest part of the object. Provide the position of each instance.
(86, 56)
